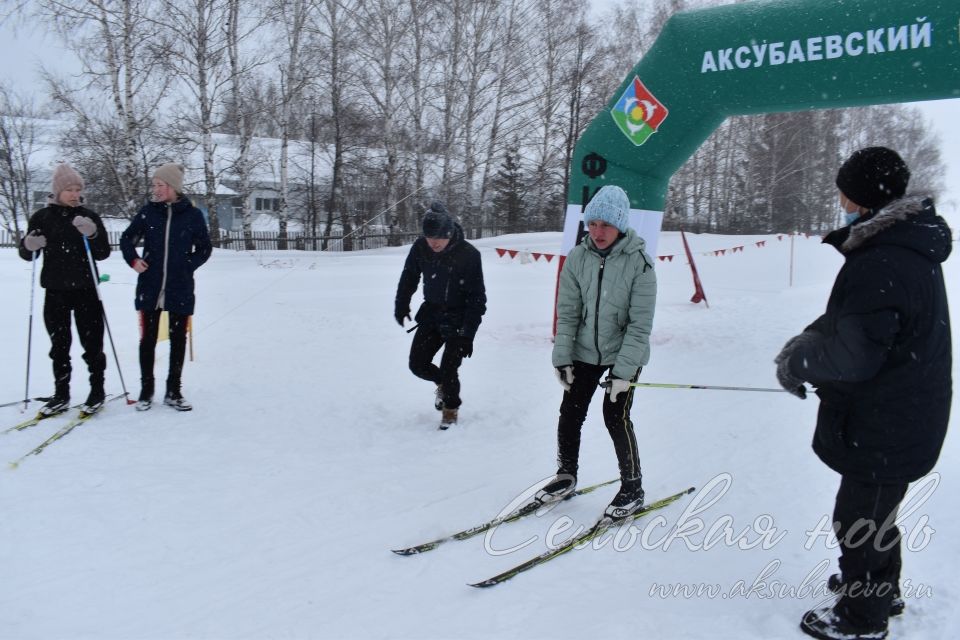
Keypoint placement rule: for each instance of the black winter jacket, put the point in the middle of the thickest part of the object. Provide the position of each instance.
(65, 263)
(882, 365)
(453, 291)
(175, 243)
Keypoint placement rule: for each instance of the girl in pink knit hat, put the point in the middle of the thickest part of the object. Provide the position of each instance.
(57, 233)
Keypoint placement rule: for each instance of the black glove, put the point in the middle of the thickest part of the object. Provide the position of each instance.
(400, 314)
(796, 342)
(565, 376)
(788, 381)
(464, 346)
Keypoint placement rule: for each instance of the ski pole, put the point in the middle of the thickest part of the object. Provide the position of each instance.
(33, 288)
(657, 385)
(103, 312)
(35, 399)
(413, 328)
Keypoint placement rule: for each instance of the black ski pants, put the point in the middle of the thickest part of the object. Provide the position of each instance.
(149, 328)
(616, 417)
(870, 560)
(88, 315)
(427, 341)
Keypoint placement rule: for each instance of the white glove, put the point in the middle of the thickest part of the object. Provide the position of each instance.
(617, 386)
(85, 225)
(34, 241)
(565, 376)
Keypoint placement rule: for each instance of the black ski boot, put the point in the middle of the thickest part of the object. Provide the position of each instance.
(60, 401)
(897, 605)
(559, 488)
(55, 406)
(95, 400)
(628, 500)
(830, 623)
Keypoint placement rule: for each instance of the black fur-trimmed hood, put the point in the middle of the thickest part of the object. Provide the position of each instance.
(911, 222)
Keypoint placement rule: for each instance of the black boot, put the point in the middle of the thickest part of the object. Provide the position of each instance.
(95, 400)
(831, 623)
(628, 500)
(145, 401)
(558, 488)
(60, 401)
(173, 398)
(897, 605)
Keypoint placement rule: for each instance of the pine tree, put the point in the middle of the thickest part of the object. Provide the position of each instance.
(508, 190)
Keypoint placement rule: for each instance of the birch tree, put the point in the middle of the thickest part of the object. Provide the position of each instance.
(197, 43)
(19, 140)
(244, 119)
(334, 35)
(110, 39)
(292, 17)
(382, 30)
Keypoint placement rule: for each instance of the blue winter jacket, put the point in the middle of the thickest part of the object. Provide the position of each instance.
(175, 243)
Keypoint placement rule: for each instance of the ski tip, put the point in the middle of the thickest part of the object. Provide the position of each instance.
(482, 585)
(13, 466)
(405, 552)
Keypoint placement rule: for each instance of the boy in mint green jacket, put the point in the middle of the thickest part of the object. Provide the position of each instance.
(605, 305)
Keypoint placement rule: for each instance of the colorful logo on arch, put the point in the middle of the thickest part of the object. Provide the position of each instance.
(638, 113)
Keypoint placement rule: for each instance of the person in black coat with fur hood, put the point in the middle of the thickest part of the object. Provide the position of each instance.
(58, 231)
(454, 301)
(880, 359)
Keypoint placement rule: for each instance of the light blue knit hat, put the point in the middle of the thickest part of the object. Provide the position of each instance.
(611, 205)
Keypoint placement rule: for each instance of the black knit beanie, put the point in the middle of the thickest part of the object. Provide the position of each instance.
(873, 177)
(437, 223)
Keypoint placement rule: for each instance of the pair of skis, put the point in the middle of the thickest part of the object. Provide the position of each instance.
(598, 529)
(81, 417)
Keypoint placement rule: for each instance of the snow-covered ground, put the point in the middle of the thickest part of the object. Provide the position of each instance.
(271, 509)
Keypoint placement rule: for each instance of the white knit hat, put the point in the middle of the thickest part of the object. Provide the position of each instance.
(172, 174)
(611, 205)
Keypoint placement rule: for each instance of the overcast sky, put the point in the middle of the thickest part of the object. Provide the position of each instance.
(23, 51)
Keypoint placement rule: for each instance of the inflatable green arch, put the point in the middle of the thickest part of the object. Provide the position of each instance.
(756, 57)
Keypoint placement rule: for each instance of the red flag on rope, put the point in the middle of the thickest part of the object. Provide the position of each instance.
(500, 252)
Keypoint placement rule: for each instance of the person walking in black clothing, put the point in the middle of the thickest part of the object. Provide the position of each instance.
(58, 231)
(175, 243)
(454, 302)
(880, 359)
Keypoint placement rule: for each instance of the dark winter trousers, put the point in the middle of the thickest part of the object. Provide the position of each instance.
(427, 341)
(863, 519)
(616, 417)
(88, 314)
(149, 327)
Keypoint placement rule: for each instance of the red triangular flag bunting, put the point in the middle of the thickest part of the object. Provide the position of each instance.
(536, 256)
(513, 252)
(548, 256)
(500, 252)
